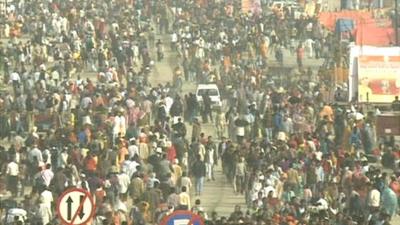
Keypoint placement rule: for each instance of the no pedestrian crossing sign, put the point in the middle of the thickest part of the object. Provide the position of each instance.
(75, 207)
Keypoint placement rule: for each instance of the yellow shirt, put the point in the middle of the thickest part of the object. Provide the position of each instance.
(363, 92)
(177, 172)
(184, 199)
(72, 119)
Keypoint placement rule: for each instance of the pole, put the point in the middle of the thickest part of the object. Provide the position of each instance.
(396, 21)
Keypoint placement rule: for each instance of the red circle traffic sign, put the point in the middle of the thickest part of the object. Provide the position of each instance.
(182, 217)
(75, 206)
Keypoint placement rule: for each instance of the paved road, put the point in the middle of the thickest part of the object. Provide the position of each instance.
(218, 195)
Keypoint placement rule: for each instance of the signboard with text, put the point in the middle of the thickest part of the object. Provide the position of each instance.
(378, 78)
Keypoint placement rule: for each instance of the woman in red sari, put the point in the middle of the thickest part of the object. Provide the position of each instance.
(171, 152)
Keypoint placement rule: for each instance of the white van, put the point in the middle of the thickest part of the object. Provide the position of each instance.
(210, 90)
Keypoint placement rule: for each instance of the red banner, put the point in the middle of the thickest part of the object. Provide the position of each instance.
(378, 78)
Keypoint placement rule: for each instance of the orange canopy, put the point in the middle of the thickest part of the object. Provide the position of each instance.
(328, 19)
(368, 31)
(376, 36)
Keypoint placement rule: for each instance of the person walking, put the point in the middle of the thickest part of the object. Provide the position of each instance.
(220, 123)
(300, 55)
(279, 54)
(309, 43)
(268, 125)
(199, 172)
(44, 212)
(12, 177)
(207, 111)
(184, 199)
(160, 50)
(240, 171)
(396, 104)
(210, 159)
(196, 129)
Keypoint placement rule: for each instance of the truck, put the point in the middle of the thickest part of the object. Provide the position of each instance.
(388, 124)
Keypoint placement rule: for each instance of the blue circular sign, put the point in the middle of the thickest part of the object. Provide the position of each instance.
(182, 217)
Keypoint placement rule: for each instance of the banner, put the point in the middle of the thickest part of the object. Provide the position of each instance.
(357, 51)
(378, 78)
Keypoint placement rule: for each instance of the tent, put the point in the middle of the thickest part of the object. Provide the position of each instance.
(328, 19)
(375, 36)
(362, 25)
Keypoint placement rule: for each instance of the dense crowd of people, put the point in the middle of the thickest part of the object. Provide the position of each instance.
(80, 111)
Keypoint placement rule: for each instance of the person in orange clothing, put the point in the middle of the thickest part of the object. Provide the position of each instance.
(123, 152)
(326, 111)
(88, 134)
(264, 50)
(276, 219)
(171, 152)
(300, 55)
(144, 208)
(227, 64)
(116, 218)
(90, 162)
(290, 220)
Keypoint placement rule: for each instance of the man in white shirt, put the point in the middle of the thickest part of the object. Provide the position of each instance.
(129, 167)
(136, 54)
(309, 43)
(46, 197)
(15, 80)
(322, 204)
(123, 183)
(55, 75)
(133, 149)
(174, 40)
(14, 77)
(86, 102)
(47, 175)
(45, 212)
(12, 176)
(119, 127)
(267, 189)
(62, 160)
(374, 198)
(270, 178)
(168, 103)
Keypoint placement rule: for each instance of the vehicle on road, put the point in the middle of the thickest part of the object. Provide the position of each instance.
(212, 91)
